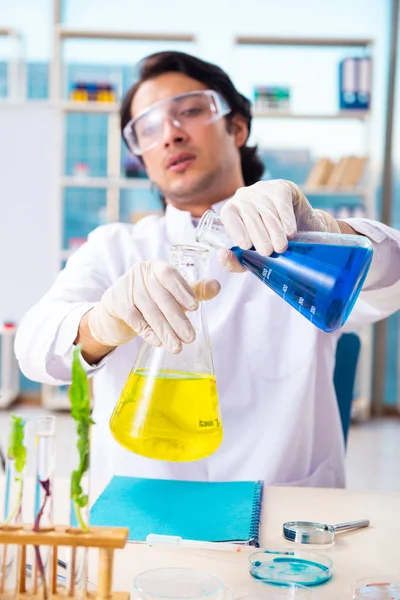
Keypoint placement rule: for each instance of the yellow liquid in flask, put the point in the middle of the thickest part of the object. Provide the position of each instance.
(172, 415)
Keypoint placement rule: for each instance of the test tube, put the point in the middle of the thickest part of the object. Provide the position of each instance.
(44, 498)
(78, 558)
(13, 501)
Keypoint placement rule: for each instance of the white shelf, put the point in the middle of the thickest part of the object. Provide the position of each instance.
(106, 182)
(89, 107)
(66, 105)
(69, 33)
(345, 114)
(324, 191)
(248, 40)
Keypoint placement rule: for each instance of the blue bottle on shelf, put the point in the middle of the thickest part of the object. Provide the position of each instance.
(320, 274)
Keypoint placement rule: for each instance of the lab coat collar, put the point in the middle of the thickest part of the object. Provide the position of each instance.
(179, 223)
(218, 205)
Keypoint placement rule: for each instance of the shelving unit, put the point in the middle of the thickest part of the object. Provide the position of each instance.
(62, 33)
(362, 403)
(113, 183)
(55, 398)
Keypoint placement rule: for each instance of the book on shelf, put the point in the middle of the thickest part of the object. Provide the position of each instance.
(338, 175)
(346, 173)
(357, 170)
(320, 173)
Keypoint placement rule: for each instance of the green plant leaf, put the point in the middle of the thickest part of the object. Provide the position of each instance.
(16, 449)
(80, 411)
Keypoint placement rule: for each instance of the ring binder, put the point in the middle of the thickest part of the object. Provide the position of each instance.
(256, 515)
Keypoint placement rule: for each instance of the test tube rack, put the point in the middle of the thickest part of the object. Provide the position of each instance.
(106, 539)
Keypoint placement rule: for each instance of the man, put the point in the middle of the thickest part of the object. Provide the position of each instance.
(274, 369)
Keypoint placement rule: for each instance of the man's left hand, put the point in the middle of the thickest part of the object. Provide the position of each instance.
(266, 215)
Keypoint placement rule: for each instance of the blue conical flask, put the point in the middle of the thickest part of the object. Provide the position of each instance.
(320, 274)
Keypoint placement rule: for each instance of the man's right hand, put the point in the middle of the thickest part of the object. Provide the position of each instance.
(150, 301)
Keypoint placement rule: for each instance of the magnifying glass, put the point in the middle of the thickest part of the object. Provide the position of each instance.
(307, 532)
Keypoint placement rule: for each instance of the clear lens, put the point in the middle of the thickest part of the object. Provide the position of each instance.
(186, 111)
(308, 529)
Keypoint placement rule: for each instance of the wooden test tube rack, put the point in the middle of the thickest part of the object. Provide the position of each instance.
(106, 539)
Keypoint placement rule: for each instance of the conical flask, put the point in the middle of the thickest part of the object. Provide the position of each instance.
(320, 274)
(168, 408)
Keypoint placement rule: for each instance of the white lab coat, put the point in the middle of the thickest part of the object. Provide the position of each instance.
(274, 369)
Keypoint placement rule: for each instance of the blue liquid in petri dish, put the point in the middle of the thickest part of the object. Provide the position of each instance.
(321, 281)
(284, 570)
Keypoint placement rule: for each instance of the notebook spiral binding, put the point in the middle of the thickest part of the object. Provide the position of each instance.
(256, 515)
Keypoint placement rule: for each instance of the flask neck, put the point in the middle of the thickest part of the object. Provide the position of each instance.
(190, 261)
(211, 231)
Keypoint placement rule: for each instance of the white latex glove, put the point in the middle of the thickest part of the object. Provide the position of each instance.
(265, 215)
(149, 300)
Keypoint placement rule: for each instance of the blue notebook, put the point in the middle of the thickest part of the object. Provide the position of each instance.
(215, 512)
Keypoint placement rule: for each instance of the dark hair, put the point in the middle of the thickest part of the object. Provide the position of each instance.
(215, 78)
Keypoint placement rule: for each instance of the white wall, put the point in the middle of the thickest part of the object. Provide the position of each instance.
(28, 206)
(33, 19)
(215, 23)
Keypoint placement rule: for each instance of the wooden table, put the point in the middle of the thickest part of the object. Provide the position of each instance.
(362, 553)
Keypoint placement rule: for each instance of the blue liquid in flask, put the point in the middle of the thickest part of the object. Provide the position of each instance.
(322, 281)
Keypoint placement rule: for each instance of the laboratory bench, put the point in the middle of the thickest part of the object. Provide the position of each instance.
(358, 554)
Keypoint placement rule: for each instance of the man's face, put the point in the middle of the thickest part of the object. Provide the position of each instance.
(186, 163)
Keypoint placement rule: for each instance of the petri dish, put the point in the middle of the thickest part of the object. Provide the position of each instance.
(178, 584)
(379, 587)
(256, 590)
(284, 565)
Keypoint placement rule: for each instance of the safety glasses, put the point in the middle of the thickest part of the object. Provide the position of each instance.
(186, 111)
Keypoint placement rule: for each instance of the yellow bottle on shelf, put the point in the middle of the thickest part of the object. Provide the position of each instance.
(168, 408)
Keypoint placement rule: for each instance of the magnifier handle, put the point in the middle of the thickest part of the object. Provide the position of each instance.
(351, 525)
